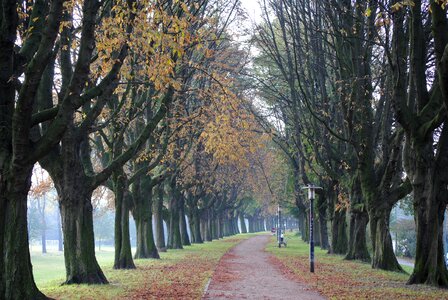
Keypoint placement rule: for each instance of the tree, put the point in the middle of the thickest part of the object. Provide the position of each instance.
(420, 108)
(27, 64)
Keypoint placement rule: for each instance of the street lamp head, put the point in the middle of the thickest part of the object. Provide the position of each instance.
(311, 192)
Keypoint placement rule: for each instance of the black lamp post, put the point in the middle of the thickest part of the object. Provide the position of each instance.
(311, 195)
(279, 224)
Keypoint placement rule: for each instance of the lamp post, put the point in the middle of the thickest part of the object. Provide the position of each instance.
(311, 194)
(279, 231)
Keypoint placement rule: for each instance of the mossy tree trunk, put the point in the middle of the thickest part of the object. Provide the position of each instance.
(196, 226)
(74, 192)
(14, 238)
(158, 220)
(183, 223)
(357, 243)
(22, 67)
(174, 237)
(142, 193)
(339, 240)
(79, 244)
(429, 180)
(322, 220)
(123, 254)
(425, 158)
(383, 252)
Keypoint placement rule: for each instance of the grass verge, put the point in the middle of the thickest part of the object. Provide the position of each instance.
(179, 274)
(336, 278)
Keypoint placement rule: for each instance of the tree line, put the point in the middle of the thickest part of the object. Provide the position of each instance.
(360, 89)
(143, 98)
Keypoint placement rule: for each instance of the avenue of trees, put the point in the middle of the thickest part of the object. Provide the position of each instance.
(152, 109)
(360, 88)
(143, 99)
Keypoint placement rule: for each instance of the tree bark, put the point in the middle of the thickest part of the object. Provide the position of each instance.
(383, 251)
(14, 238)
(123, 254)
(211, 230)
(251, 224)
(357, 246)
(142, 212)
(302, 224)
(79, 246)
(339, 240)
(158, 220)
(429, 181)
(242, 223)
(174, 238)
(196, 228)
(183, 223)
(323, 231)
(357, 243)
(75, 192)
(145, 243)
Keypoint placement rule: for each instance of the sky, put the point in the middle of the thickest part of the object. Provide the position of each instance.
(253, 9)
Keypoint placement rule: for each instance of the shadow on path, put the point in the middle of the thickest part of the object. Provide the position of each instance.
(246, 272)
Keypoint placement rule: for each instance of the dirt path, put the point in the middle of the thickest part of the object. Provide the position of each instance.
(246, 272)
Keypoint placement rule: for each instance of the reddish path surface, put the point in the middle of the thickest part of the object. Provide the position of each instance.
(246, 272)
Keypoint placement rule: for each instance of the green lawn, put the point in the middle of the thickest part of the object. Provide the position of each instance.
(50, 268)
(336, 278)
(179, 274)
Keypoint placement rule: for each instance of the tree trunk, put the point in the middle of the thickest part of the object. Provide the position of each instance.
(142, 213)
(183, 223)
(251, 224)
(145, 243)
(339, 240)
(357, 247)
(430, 265)
(217, 228)
(429, 185)
(74, 192)
(210, 231)
(158, 220)
(383, 251)
(123, 254)
(191, 225)
(174, 238)
(242, 223)
(302, 224)
(307, 227)
(203, 227)
(14, 247)
(79, 243)
(322, 220)
(196, 228)
(236, 230)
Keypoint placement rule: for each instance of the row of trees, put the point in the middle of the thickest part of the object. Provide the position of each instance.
(140, 97)
(360, 92)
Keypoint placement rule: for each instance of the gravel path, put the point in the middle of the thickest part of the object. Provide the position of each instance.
(246, 272)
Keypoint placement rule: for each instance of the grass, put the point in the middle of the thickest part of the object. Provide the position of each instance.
(50, 267)
(179, 274)
(336, 278)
